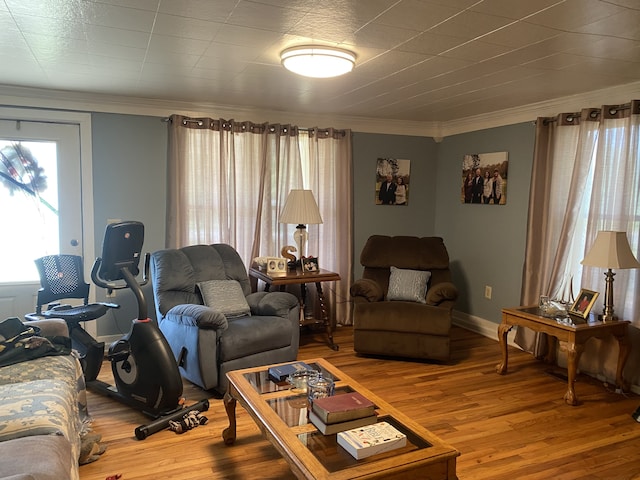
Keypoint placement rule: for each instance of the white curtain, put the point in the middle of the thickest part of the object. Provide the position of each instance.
(586, 178)
(228, 182)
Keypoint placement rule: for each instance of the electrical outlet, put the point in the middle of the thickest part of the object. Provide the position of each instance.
(487, 292)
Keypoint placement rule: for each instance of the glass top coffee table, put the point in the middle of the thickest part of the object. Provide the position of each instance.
(281, 414)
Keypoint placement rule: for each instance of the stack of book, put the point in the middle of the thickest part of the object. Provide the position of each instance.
(371, 439)
(342, 412)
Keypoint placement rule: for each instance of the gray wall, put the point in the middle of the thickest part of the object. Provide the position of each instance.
(129, 183)
(418, 217)
(486, 243)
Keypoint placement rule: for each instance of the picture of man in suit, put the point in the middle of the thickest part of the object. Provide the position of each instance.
(387, 194)
(478, 187)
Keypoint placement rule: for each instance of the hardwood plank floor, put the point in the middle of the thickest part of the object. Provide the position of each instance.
(512, 427)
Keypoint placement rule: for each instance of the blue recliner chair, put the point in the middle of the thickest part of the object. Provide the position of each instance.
(212, 321)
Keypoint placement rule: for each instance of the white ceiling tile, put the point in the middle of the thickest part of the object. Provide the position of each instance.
(445, 71)
(150, 5)
(217, 11)
(49, 26)
(116, 36)
(625, 24)
(520, 34)
(556, 61)
(114, 65)
(382, 36)
(513, 9)
(161, 44)
(319, 27)
(416, 15)
(70, 10)
(429, 43)
(606, 66)
(118, 17)
(609, 47)
(389, 63)
(267, 17)
(186, 27)
(571, 15)
(469, 25)
(476, 51)
(172, 59)
(220, 52)
(246, 36)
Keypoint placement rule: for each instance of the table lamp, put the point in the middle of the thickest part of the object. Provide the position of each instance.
(610, 250)
(301, 208)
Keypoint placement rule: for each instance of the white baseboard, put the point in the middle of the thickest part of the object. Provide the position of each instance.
(489, 329)
(484, 327)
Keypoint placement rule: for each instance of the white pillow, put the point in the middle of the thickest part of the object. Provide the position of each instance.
(408, 285)
(225, 296)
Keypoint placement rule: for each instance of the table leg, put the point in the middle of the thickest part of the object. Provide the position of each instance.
(325, 316)
(550, 356)
(574, 351)
(624, 347)
(303, 300)
(503, 330)
(229, 433)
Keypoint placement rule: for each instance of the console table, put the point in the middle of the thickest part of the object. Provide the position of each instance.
(297, 277)
(575, 332)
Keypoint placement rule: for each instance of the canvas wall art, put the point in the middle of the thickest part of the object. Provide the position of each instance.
(484, 178)
(392, 181)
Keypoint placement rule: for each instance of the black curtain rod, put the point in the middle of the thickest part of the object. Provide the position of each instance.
(302, 129)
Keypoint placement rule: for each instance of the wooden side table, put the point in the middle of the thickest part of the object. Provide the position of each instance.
(297, 277)
(575, 334)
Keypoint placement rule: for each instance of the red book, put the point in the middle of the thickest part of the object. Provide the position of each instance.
(343, 407)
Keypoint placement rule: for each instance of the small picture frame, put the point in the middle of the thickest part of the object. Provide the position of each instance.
(584, 303)
(276, 265)
(310, 264)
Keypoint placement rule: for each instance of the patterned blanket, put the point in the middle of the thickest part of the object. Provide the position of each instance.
(45, 396)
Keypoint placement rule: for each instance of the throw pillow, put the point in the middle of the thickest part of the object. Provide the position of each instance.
(408, 285)
(225, 296)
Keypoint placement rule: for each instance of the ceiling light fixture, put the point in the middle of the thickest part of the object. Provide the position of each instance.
(318, 61)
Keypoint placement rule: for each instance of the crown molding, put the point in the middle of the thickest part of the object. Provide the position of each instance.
(79, 101)
(549, 108)
(85, 102)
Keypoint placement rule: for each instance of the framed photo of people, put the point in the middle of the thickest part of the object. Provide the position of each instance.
(484, 178)
(393, 177)
(584, 303)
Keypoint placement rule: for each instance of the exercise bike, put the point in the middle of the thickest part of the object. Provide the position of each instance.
(145, 372)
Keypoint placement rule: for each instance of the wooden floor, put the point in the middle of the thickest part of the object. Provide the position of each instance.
(512, 427)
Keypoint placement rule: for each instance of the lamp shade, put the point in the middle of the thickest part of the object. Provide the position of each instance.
(611, 250)
(300, 208)
(318, 61)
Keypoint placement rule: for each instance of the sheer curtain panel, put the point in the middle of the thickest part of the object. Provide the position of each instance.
(228, 182)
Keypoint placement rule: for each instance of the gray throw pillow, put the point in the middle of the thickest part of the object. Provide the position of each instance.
(225, 296)
(408, 285)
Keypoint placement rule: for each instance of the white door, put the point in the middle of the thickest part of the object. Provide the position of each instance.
(40, 205)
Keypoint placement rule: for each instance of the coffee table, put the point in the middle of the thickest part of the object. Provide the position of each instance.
(281, 414)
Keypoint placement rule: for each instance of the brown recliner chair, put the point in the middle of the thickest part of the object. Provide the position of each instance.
(395, 312)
